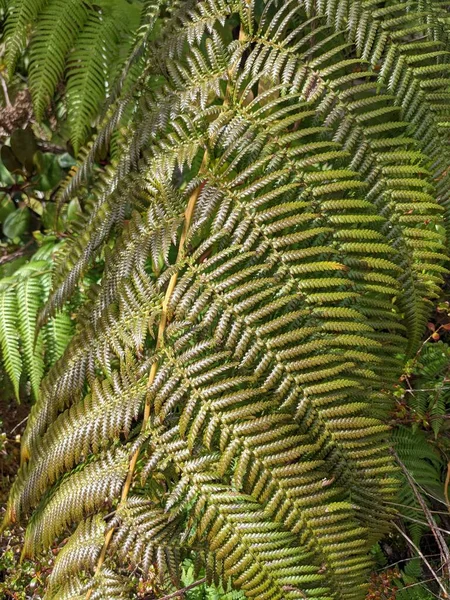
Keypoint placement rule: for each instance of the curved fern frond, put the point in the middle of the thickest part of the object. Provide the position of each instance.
(272, 239)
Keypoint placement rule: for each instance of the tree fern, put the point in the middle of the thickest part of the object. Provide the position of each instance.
(273, 238)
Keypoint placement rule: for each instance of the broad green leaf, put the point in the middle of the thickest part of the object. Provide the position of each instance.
(6, 208)
(24, 146)
(16, 223)
(10, 160)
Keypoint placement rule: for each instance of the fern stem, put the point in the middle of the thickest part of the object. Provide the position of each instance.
(446, 484)
(159, 342)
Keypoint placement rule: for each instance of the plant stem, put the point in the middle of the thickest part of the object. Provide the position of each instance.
(16, 254)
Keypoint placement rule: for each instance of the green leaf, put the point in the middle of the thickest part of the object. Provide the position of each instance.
(24, 146)
(16, 223)
(66, 161)
(5, 176)
(10, 160)
(74, 210)
(49, 217)
(6, 208)
(35, 206)
(50, 171)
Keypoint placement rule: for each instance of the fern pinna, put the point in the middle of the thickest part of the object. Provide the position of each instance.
(273, 240)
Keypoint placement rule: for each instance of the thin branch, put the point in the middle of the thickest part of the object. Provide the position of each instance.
(16, 254)
(5, 92)
(446, 484)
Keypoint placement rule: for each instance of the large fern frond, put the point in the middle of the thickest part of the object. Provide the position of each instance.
(272, 239)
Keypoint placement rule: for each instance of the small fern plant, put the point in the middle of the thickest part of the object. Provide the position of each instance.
(273, 238)
(22, 295)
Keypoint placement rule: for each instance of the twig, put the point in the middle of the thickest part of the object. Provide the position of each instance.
(446, 484)
(19, 424)
(15, 254)
(49, 147)
(182, 591)
(5, 92)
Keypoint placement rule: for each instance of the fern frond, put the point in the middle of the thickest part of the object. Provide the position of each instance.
(9, 340)
(29, 298)
(269, 240)
(88, 68)
(22, 295)
(54, 36)
(20, 14)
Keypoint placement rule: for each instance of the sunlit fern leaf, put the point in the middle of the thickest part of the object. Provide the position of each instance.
(88, 69)
(107, 585)
(54, 35)
(20, 14)
(147, 536)
(79, 554)
(87, 488)
(9, 340)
